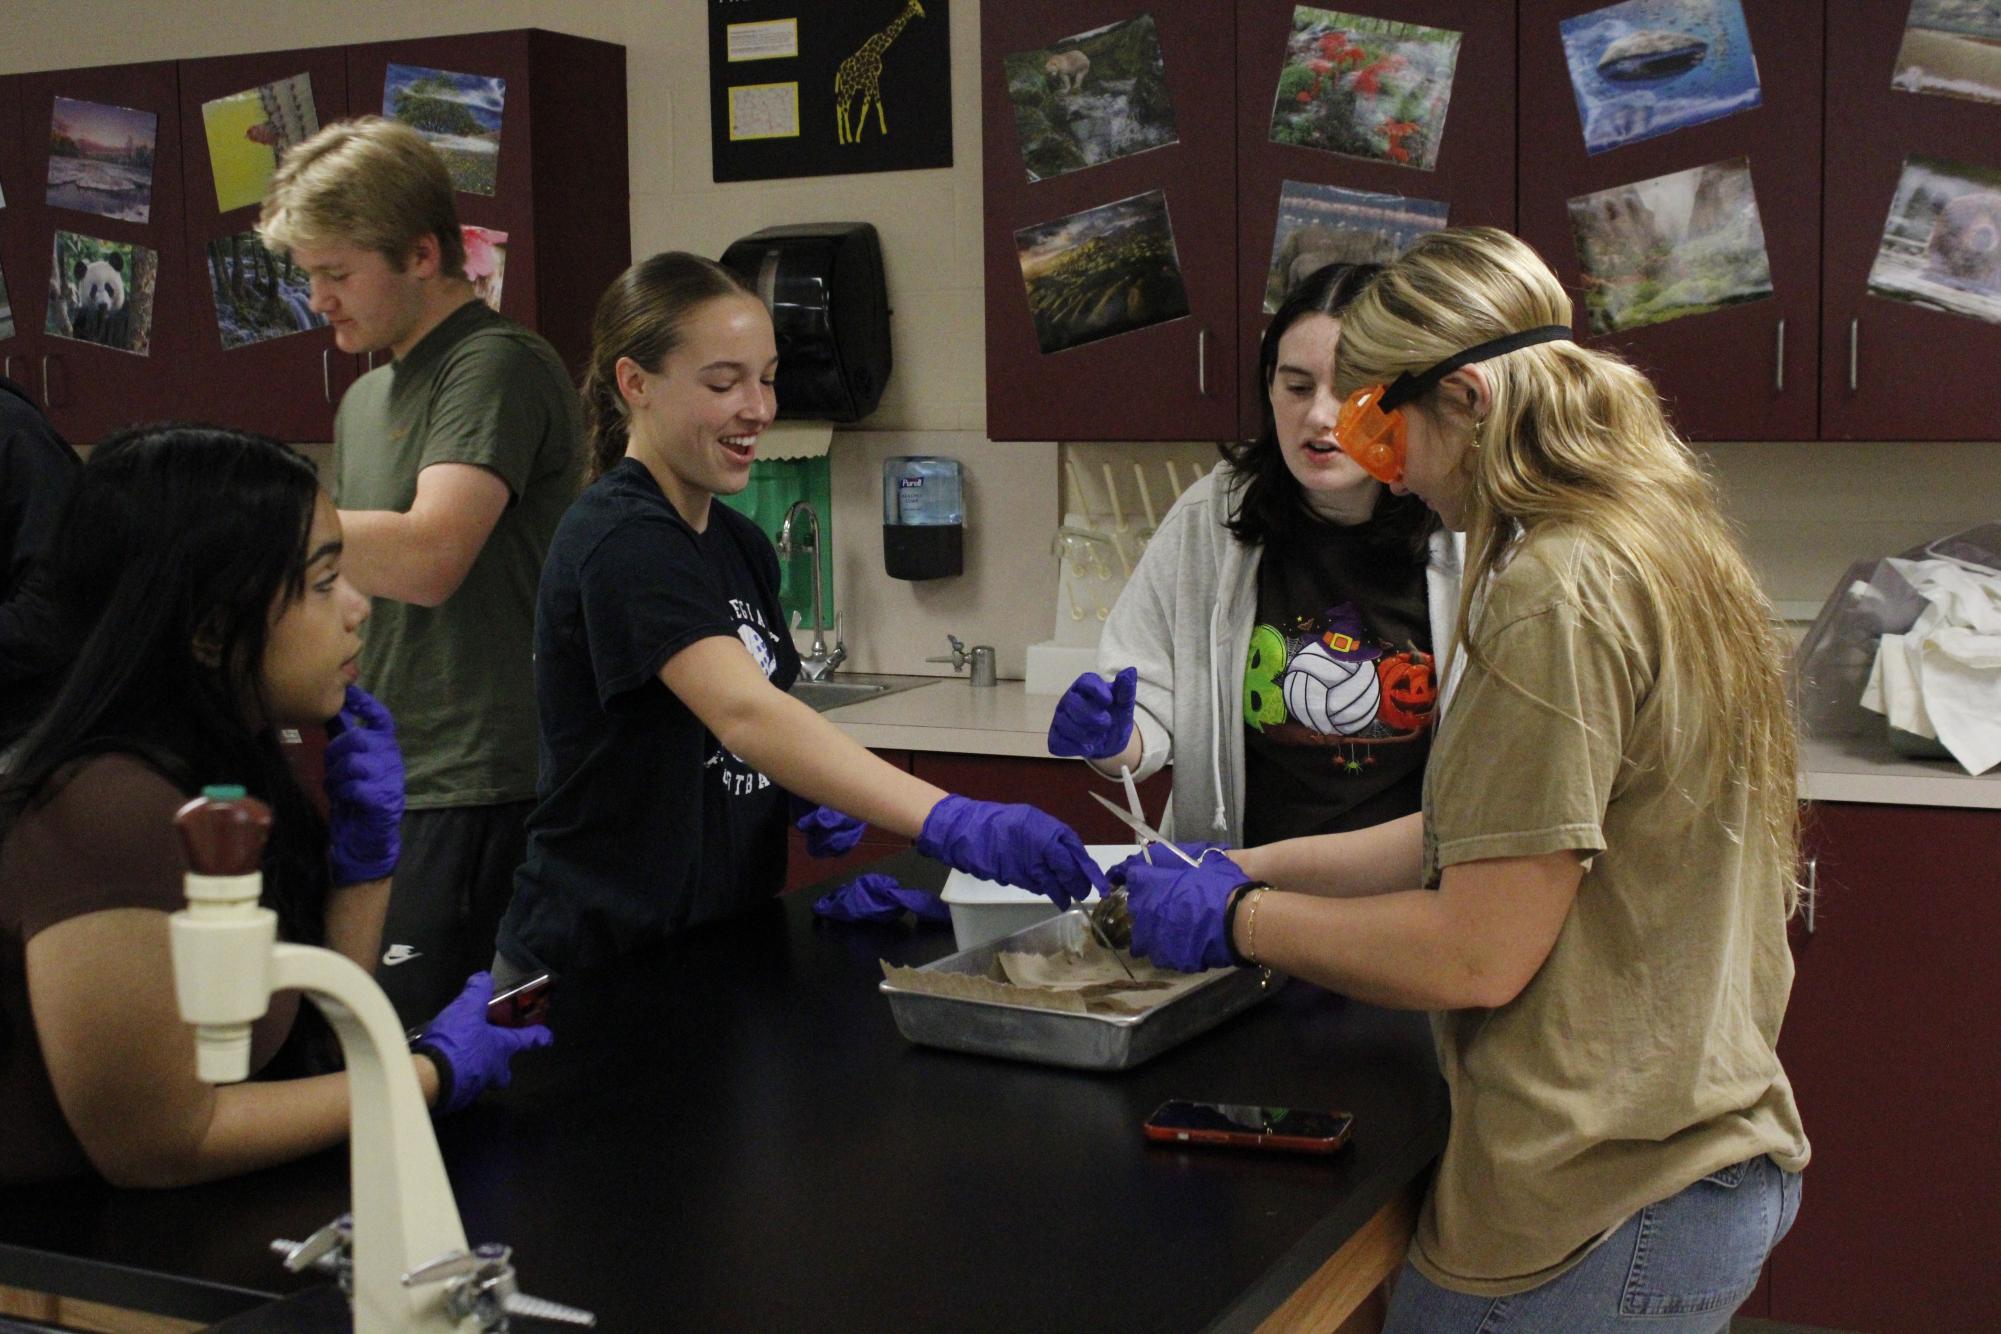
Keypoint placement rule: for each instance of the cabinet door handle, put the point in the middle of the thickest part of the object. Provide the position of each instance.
(1854, 327)
(1779, 361)
(7, 368)
(326, 373)
(1202, 362)
(45, 381)
(1810, 892)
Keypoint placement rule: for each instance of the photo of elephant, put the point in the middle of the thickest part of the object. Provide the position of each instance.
(1942, 245)
(1090, 98)
(1326, 224)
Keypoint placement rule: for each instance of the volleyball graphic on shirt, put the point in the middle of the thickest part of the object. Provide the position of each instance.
(1332, 695)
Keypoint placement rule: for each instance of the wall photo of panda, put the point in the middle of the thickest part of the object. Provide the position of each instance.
(102, 292)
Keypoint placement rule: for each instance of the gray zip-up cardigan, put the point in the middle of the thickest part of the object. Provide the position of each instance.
(1185, 621)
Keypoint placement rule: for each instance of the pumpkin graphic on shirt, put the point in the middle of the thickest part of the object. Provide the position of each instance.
(1408, 688)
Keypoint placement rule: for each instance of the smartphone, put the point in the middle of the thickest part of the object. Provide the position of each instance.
(520, 1004)
(1179, 1121)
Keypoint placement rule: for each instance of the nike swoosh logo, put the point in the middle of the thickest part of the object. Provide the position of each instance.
(396, 954)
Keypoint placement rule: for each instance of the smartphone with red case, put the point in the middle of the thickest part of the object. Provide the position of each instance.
(1244, 1125)
(521, 1004)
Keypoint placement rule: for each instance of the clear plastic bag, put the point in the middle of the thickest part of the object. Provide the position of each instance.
(1872, 600)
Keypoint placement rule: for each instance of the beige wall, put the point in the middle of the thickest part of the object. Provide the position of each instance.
(1807, 509)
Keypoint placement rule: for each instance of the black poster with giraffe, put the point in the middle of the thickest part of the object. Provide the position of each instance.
(826, 87)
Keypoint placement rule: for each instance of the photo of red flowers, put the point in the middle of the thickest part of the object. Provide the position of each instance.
(1365, 87)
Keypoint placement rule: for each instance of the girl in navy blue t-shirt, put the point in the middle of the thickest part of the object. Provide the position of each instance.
(671, 752)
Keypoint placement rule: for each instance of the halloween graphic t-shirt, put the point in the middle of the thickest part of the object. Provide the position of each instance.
(646, 822)
(1338, 685)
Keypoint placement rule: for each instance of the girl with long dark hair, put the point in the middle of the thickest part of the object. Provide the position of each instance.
(197, 575)
(1277, 641)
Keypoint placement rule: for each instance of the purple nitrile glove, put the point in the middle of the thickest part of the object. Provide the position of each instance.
(471, 1054)
(1178, 910)
(1011, 845)
(879, 898)
(1094, 718)
(828, 832)
(364, 786)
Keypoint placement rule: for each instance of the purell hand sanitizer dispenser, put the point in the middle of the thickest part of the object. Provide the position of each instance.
(923, 517)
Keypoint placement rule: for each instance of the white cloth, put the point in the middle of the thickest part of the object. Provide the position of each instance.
(1942, 677)
(1184, 619)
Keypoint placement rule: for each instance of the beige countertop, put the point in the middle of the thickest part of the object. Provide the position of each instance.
(952, 716)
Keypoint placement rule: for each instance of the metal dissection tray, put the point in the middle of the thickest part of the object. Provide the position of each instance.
(1055, 1037)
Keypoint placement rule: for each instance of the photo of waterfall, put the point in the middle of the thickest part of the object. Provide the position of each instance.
(1090, 98)
(1672, 246)
(258, 295)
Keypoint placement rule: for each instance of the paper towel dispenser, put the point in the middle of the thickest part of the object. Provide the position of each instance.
(823, 284)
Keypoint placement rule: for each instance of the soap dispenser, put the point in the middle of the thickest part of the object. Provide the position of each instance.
(923, 517)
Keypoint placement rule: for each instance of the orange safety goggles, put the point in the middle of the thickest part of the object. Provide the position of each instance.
(1372, 429)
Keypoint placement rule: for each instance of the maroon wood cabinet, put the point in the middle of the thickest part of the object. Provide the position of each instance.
(1890, 369)
(560, 195)
(1474, 175)
(16, 340)
(90, 387)
(1167, 381)
(1889, 1042)
(286, 387)
(1745, 371)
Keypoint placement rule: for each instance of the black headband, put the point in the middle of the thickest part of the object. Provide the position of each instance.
(1407, 387)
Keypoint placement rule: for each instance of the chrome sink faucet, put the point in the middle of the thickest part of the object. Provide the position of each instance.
(820, 661)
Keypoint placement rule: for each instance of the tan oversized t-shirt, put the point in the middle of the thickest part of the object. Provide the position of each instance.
(1640, 1058)
(459, 677)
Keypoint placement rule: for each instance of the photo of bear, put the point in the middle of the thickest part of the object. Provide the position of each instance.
(1090, 98)
(102, 292)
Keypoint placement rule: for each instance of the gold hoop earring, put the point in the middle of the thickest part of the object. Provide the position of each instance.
(1479, 425)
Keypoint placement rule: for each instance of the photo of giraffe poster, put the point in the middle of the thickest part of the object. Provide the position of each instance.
(825, 90)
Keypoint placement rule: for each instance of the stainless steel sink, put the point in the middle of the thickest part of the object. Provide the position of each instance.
(821, 696)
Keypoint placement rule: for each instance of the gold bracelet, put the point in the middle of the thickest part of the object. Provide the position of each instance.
(1256, 897)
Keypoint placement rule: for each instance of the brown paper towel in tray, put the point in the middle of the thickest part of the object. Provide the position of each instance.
(1083, 981)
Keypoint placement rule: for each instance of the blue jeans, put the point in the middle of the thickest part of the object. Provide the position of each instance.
(1680, 1266)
